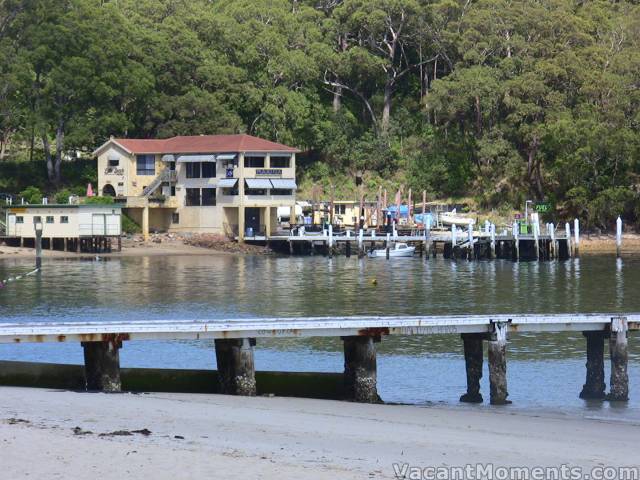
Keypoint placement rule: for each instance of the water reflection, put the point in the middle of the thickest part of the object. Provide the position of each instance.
(544, 369)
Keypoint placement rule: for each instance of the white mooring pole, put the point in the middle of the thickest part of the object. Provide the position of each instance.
(576, 233)
(618, 237)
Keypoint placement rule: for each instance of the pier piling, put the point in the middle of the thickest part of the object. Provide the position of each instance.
(619, 382)
(102, 366)
(618, 237)
(594, 385)
(473, 358)
(236, 367)
(360, 370)
(498, 364)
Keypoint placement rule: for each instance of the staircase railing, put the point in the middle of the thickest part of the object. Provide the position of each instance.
(166, 175)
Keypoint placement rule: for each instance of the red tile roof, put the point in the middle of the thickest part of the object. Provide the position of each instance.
(203, 144)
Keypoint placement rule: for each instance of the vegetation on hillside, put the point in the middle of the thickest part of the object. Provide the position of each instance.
(502, 100)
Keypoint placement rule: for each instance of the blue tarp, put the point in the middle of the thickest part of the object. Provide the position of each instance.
(404, 210)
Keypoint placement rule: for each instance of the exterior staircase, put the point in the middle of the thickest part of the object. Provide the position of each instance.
(166, 175)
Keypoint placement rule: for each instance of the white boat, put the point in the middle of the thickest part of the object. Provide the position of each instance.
(453, 218)
(398, 250)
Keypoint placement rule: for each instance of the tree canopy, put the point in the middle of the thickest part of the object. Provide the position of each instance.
(501, 100)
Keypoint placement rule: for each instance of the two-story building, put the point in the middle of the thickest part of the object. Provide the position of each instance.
(229, 184)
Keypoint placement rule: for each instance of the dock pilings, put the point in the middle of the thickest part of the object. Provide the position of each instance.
(594, 386)
(619, 381)
(236, 366)
(102, 365)
(473, 359)
(360, 369)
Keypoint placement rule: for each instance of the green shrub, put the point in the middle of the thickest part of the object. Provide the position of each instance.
(62, 196)
(128, 225)
(32, 195)
(98, 200)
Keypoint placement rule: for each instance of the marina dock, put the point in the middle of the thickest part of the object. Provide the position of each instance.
(456, 243)
(235, 340)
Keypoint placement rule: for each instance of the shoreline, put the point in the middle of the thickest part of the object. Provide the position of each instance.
(170, 246)
(45, 432)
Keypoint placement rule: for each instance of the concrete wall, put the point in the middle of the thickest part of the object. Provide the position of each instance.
(71, 377)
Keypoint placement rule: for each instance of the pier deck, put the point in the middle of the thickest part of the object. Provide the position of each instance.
(235, 338)
(304, 327)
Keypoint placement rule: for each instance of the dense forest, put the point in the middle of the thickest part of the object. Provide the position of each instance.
(495, 100)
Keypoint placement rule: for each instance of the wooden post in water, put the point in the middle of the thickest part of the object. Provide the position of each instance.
(576, 233)
(618, 237)
(498, 364)
(619, 381)
(470, 241)
(330, 240)
(567, 233)
(516, 240)
(361, 243)
(38, 247)
(236, 368)
(102, 365)
(360, 369)
(553, 247)
(594, 386)
(493, 241)
(536, 238)
(473, 356)
(427, 241)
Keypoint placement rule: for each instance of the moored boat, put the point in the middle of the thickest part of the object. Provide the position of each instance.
(398, 250)
(453, 218)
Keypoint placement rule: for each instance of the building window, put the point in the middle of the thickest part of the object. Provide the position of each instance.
(208, 169)
(175, 218)
(37, 219)
(145, 164)
(230, 191)
(19, 219)
(193, 170)
(49, 219)
(64, 219)
(280, 162)
(255, 191)
(193, 197)
(114, 162)
(253, 161)
(340, 209)
(173, 190)
(208, 196)
(281, 191)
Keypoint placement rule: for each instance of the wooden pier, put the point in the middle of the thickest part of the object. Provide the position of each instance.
(235, 340)
(454, 244)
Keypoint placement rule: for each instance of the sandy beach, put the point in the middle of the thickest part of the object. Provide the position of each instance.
(62, 434)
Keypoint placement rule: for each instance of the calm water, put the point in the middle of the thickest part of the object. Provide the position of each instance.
(544, 371)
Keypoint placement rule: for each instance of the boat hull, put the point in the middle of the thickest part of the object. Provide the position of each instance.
(407, 252)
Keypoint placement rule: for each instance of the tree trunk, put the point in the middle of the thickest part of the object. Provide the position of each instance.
(386, 108)
(47, 156)
(478, 117)
(59, 150)
(337, 99)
